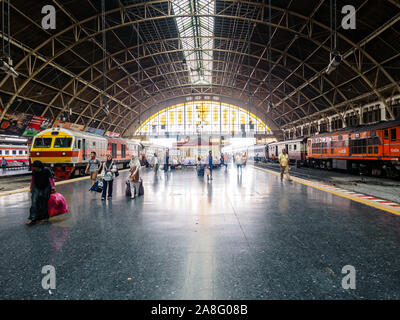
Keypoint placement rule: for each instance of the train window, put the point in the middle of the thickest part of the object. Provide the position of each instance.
(376, 150)
(79, 144)
(6, 152)
(386, 136)
(14, 152)
(295, 147)
(20, 152)
(370, 149)
(94, 143)
(62, 143)
(1, 152)
(377, 141)
(393, 136)
(340, 138)
(42, 142)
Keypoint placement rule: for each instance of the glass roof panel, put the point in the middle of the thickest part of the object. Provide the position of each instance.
(196, 30)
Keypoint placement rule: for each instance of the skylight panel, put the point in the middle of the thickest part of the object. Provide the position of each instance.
(196, 31)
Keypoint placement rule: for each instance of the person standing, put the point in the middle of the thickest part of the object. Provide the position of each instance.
(284, 163)
(3, 163)
(166, 162)
(134, 177)
(108, 174)
(156, 163)
(210, 165)
(42, 185)
(94, 166)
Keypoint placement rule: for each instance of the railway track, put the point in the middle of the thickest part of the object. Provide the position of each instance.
(384, 188)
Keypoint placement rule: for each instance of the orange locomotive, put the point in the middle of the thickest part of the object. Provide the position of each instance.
(67, 151)
(371, 149)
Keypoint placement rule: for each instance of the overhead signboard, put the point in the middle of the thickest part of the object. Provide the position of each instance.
(36, 125)
(14, 123)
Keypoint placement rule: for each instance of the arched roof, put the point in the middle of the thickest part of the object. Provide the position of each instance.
(61, 69)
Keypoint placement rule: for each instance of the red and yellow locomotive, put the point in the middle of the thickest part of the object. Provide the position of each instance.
(67, 151)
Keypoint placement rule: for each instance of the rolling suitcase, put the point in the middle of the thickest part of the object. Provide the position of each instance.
(141, 189)
(128, 192)
(97, 187)
(200, 171)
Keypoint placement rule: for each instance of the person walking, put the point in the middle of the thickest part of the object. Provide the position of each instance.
(284, 164)
(239, 162)
(156, 163)
(108, 175)
(4, 163)
(222, 160)
(94, 166)
(134, 177)
(42, 185)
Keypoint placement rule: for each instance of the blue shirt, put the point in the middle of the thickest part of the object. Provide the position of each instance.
(210, 160)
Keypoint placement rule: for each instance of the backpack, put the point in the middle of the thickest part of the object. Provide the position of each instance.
(116, 173)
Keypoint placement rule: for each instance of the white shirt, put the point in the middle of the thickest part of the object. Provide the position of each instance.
(135, 163)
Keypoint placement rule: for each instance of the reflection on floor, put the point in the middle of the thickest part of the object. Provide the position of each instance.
(239, 236)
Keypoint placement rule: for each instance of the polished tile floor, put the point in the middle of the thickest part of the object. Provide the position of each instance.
(245, 236)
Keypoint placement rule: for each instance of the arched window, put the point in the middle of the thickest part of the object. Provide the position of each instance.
(206, 117)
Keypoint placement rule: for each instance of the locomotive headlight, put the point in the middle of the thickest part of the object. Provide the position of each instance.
(37, 153)
(63, 153)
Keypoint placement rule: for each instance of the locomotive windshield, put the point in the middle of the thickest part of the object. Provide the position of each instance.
(42, 143)
(62, 143)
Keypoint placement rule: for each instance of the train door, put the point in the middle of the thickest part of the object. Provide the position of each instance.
(386, 142)
(83, 149)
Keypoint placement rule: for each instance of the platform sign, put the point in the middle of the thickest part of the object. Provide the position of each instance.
(15, 123)
(36, 125)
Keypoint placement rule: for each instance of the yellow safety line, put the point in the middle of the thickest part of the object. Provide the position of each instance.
(11, 192)
(302, 181)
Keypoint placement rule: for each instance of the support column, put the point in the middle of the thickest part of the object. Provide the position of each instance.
(361, 117)
(383, 112)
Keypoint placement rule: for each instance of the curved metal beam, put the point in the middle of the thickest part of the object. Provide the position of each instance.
(169, 15)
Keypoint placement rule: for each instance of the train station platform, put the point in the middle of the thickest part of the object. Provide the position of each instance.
(239, 236)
